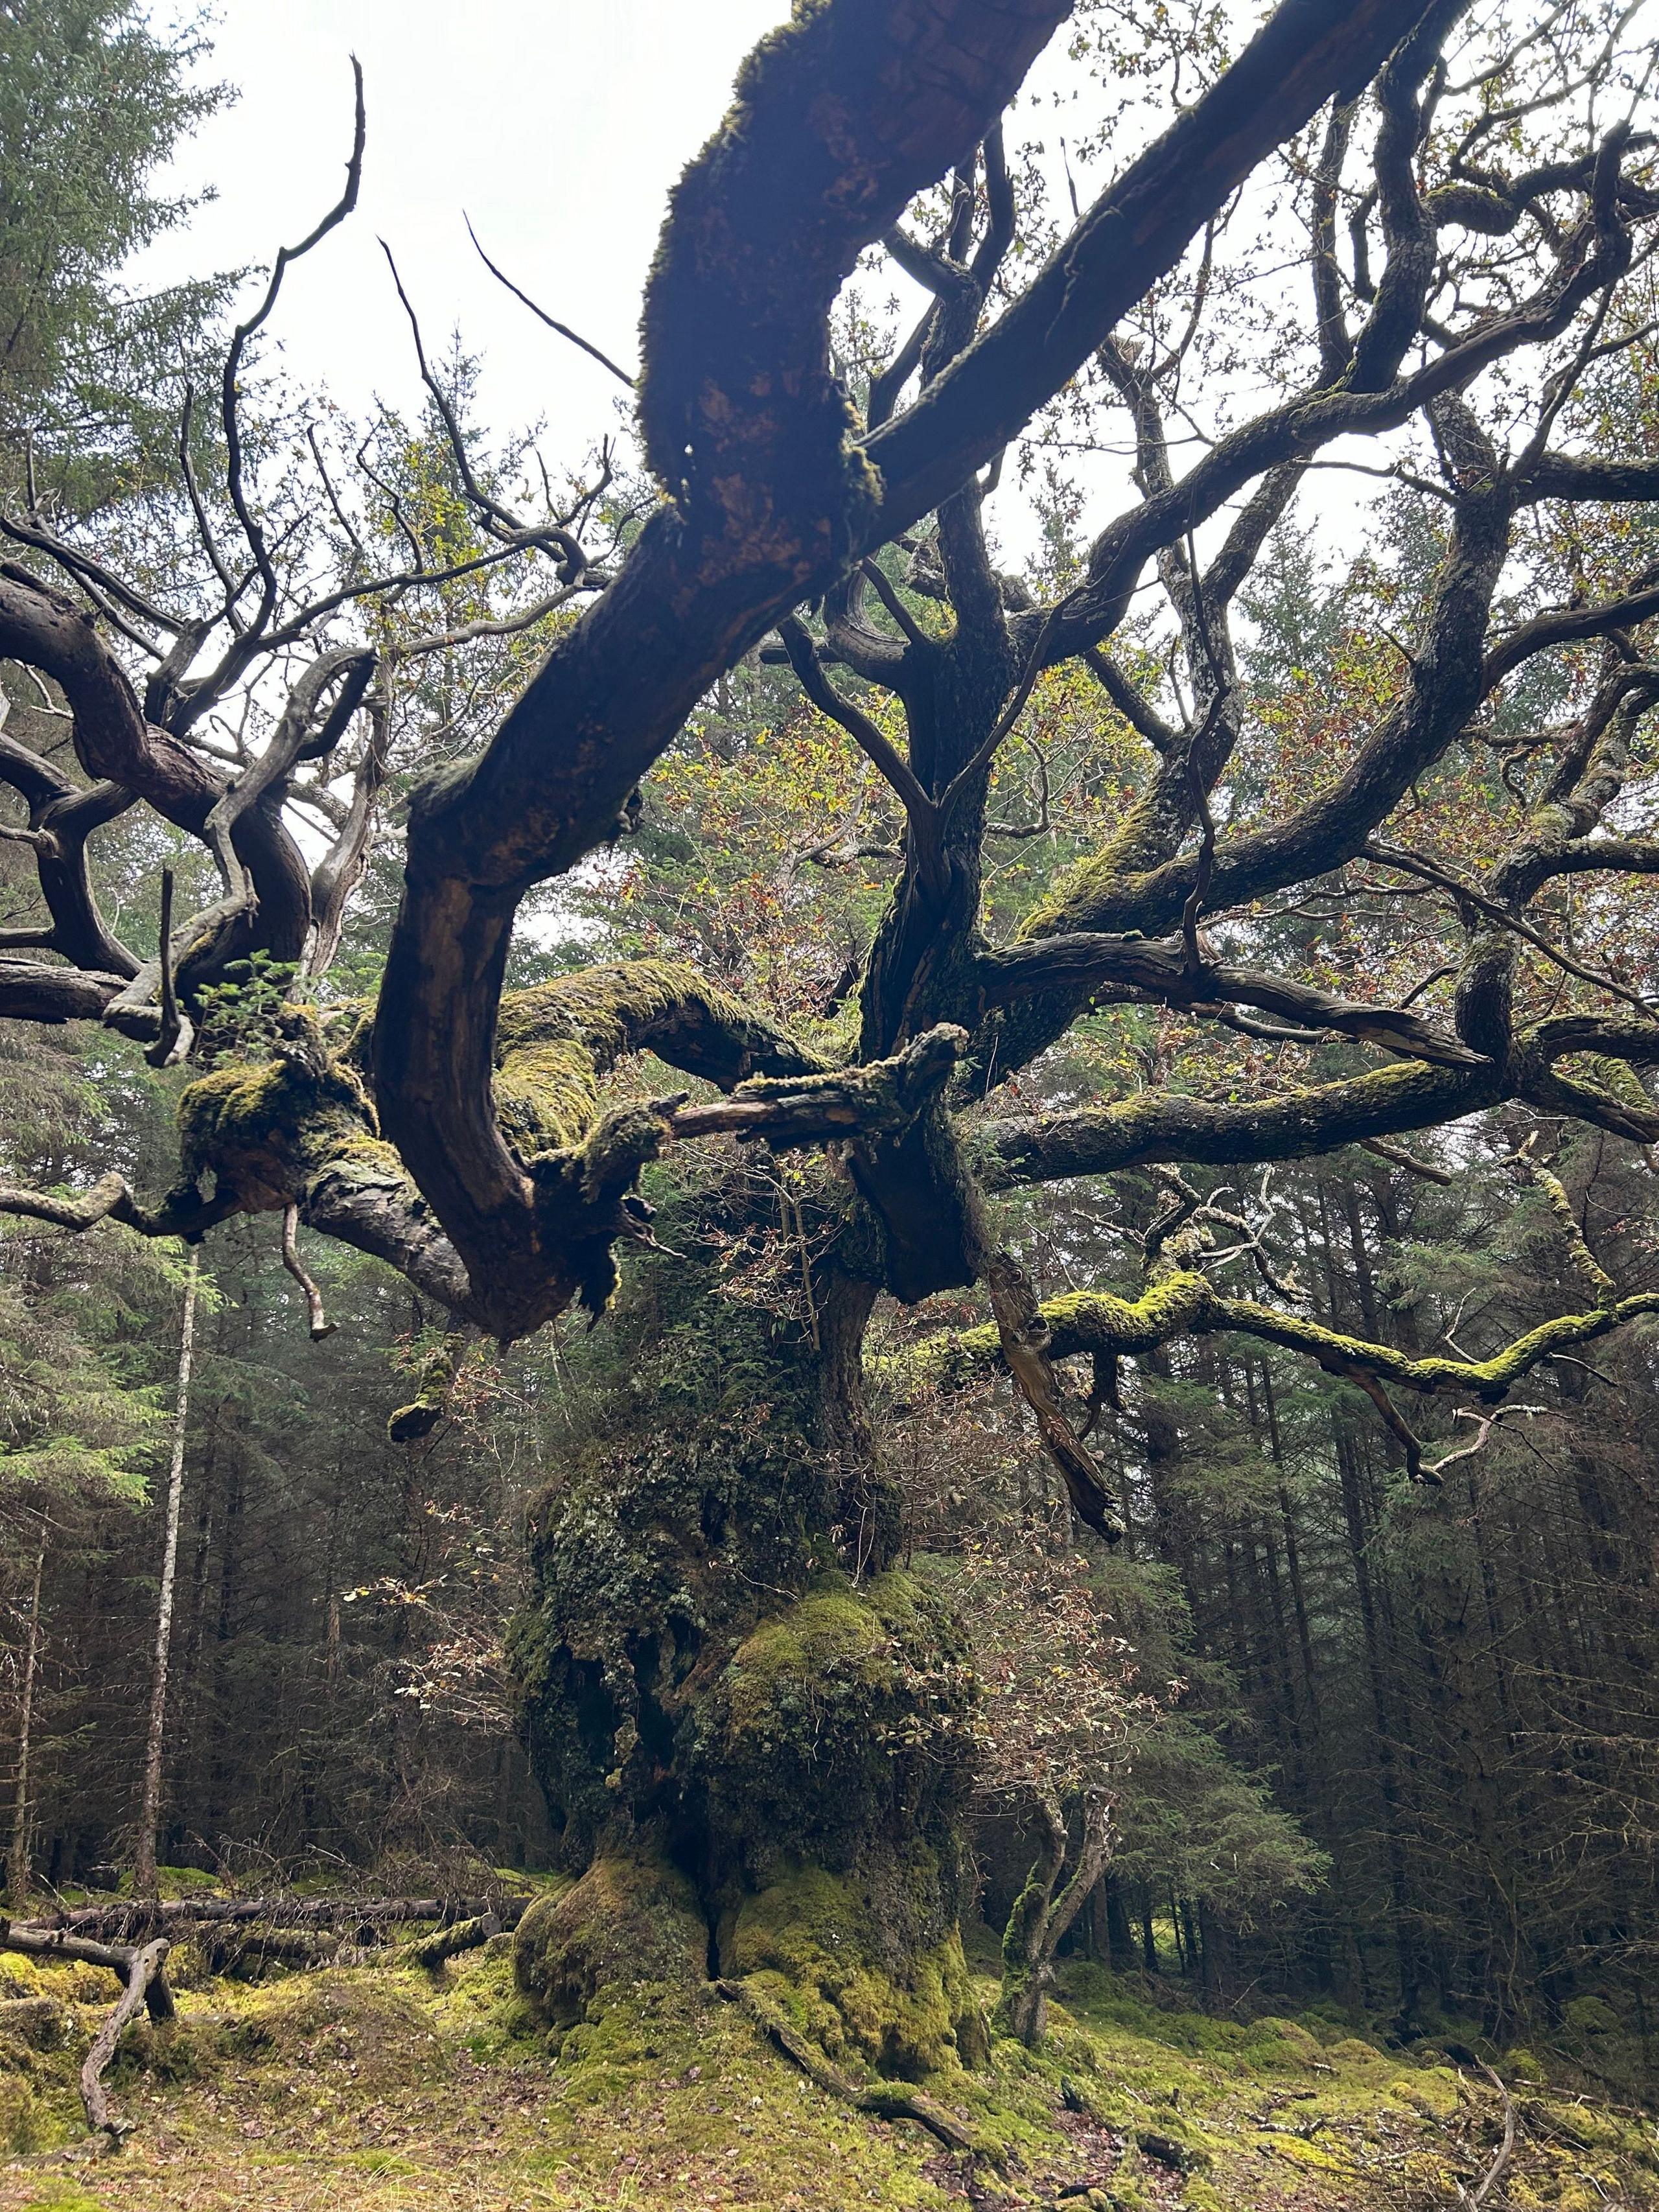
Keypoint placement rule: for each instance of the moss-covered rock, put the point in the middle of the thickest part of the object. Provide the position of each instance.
(629, 1920)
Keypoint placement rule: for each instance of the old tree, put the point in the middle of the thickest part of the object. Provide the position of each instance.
(1386, 236)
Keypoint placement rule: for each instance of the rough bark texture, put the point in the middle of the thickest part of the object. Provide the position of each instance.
(761, 1762)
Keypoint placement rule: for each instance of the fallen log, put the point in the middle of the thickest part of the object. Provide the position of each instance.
(130, 1919)
(431, 1951)
(141, 1967)
(38, 1942)
(255, 1943)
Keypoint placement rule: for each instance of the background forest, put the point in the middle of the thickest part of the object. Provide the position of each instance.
(1352, 1742)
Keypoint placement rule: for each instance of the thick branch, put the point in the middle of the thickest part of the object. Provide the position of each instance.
(1386, 1101)
(1134, 234)
(1160, 969)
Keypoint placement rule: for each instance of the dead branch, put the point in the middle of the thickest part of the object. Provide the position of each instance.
(1025, 1338)
(563, 329)
(143, 1974)
(320, 1326)
(1481, 2193)
(141, 1966)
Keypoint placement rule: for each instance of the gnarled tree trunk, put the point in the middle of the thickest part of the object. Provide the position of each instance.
(753, 1730)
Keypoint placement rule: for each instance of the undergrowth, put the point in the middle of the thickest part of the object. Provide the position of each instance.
(391, 2089)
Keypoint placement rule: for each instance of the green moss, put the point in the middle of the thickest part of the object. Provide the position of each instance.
(698, 1492)
(1078, 1321)
(628, 1921)
(554, 1043)
(547, 1095)
(437, 1371)
(18, 2111)
(265, 1127)
(369, 2084)
(842, 1724)
(812, 1939)
(1077, 891)
(607, 1006)
(1182, 1301)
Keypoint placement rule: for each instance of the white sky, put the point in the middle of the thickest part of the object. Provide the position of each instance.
(559, 128)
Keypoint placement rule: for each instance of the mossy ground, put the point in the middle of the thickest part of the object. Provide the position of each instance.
(393, 2089)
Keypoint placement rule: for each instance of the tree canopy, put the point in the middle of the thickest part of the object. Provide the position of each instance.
(1498, 305)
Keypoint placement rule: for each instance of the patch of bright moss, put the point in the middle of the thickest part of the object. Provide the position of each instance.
(628, 1921)
(811, 1938)
(379, 2087)
(834, 1714)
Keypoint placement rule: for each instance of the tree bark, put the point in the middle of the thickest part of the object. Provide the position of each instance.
(144, 1972)
(17, 1858)
(1041, 1918)
(752, 1729)
(144, 1878)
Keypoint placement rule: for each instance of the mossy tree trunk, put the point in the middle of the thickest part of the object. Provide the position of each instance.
(754, 1732)
(1044, 1911)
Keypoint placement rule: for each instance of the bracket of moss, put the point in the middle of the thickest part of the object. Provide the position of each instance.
(886, 2099)
(556, 1042)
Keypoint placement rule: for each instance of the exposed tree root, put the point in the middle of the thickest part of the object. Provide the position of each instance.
(886, 2099)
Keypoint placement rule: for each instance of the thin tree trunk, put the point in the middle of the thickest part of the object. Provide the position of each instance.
(17, 1858)
(1040, 1918)
(144, 1872)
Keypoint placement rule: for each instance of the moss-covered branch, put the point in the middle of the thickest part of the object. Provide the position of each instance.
(1162, 1125)
(554, 1044)
(1161, 969)
(882, 1098)
(1183, 1302)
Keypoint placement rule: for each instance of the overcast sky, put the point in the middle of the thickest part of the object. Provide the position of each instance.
(558, 128)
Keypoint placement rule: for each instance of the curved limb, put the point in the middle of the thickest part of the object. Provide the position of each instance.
(908, 91)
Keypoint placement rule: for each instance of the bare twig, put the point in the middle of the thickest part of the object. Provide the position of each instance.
(321, 1327)
(563, 329)
(336, 214)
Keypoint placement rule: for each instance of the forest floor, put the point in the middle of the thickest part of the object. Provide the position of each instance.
(396, 2090)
